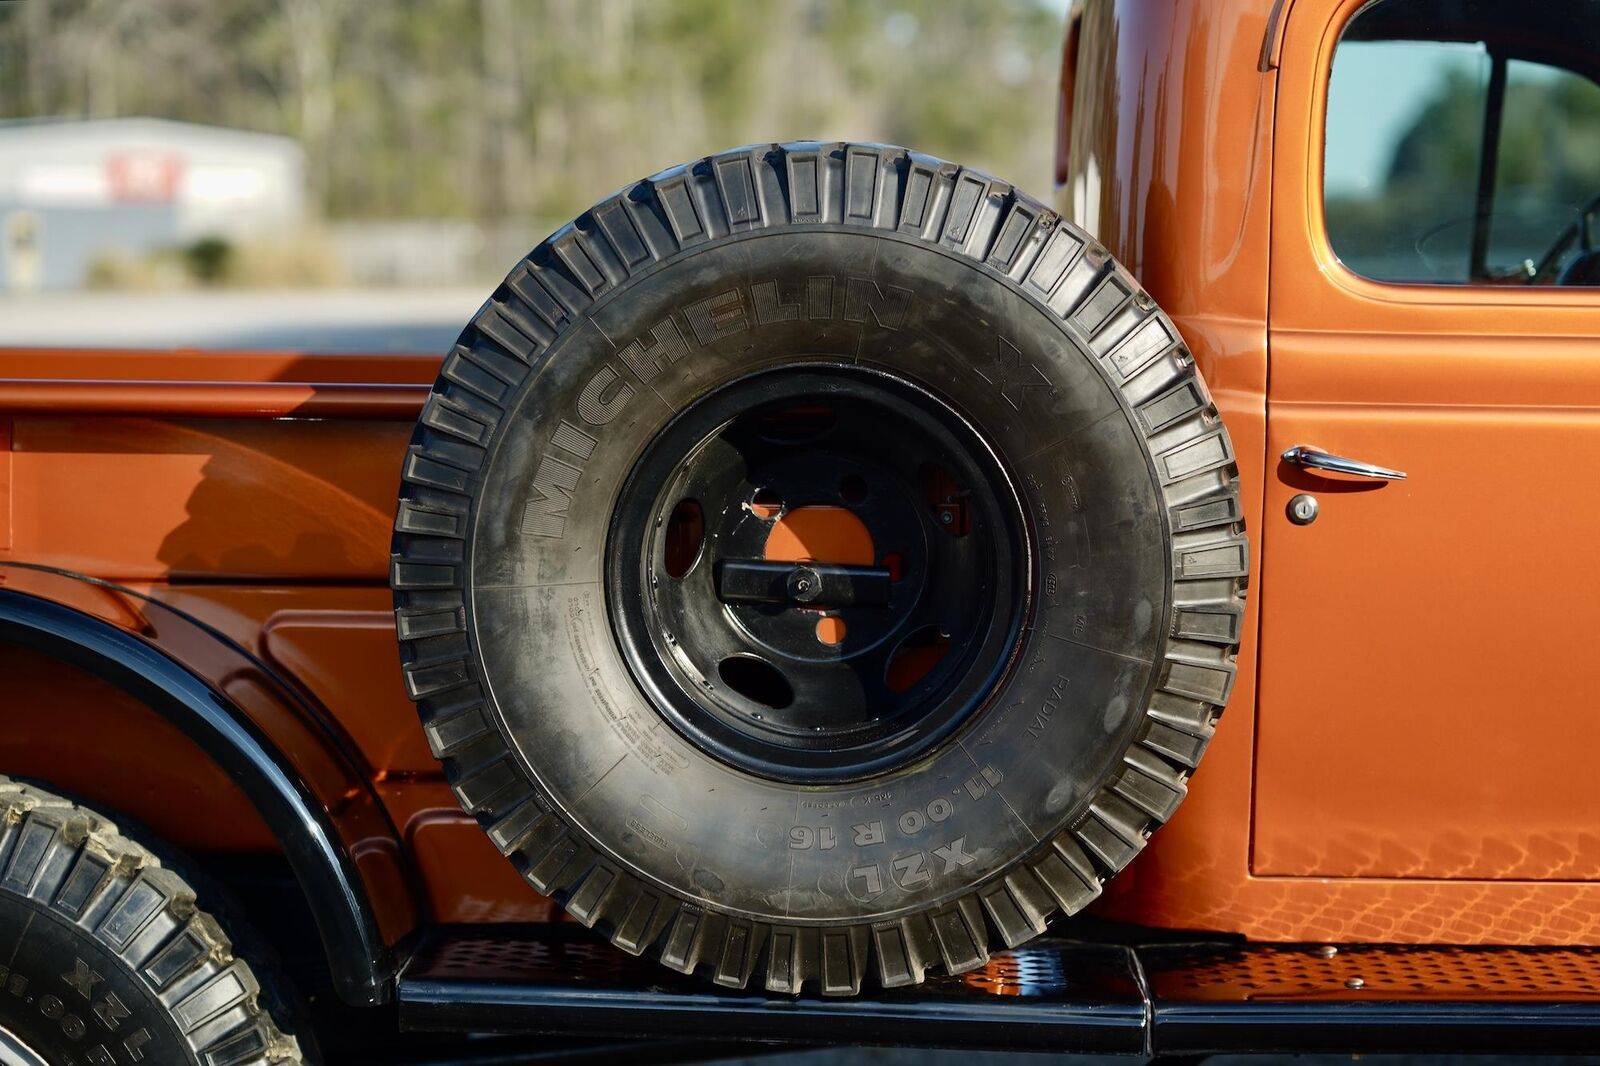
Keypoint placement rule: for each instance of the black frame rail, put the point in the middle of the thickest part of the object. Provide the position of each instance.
(1079, 996)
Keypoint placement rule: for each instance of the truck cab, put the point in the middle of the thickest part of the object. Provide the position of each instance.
(1369, 221)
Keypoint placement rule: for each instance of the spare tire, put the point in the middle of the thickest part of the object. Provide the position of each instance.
(818, 558)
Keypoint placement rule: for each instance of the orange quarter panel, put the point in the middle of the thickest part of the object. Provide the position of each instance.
(155, 500)
(93, 740)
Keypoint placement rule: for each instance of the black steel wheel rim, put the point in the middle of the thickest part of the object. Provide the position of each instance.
(794, 666)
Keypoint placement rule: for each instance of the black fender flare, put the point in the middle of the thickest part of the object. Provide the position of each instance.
(362, 966)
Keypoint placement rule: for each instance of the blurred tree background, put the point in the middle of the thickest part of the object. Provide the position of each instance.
(496, 110)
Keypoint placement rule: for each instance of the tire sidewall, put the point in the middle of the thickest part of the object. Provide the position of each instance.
(70, 998)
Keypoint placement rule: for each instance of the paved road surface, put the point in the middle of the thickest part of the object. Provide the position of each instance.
(375, 320)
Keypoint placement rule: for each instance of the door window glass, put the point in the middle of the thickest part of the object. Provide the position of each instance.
(1463, 143)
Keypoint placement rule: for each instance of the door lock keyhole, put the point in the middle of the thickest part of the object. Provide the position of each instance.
(1303, 509)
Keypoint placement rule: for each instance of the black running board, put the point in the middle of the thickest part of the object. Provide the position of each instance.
(1054, 994)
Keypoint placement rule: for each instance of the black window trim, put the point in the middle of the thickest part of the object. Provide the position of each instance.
(1494, 107)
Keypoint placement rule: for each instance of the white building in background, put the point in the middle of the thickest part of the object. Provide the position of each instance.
(71, 190)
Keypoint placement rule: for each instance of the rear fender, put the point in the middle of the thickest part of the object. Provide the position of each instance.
(321, 808)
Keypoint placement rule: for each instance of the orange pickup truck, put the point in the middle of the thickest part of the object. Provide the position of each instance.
(820, 568)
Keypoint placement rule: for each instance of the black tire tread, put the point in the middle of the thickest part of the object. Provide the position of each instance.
(63, 856)
(1018, 241)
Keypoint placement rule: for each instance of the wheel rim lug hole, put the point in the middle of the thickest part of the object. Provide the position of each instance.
(766, 504)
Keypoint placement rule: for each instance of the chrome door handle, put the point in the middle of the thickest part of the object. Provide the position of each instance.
(1317, 459)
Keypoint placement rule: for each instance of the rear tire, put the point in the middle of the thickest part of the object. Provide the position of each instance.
(107, 958)
(576, 681)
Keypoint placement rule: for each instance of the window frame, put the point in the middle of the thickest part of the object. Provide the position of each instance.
(1476, 292)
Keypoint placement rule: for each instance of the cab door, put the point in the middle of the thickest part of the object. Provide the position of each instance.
(1429, 687)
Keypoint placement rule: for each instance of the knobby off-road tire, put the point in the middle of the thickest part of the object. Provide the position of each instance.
(104, 957)
(1107, 553)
